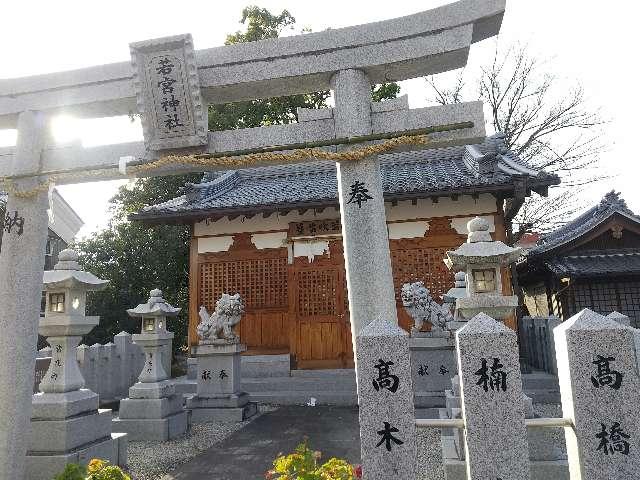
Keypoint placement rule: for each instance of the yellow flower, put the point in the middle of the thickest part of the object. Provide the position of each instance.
(96, 465)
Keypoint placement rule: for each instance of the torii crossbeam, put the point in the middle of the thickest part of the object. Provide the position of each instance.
(347, 60)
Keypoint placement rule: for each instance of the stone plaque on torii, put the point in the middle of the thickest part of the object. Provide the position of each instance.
(171, 85)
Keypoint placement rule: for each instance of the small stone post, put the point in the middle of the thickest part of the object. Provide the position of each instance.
(600, 389)
(385, 397)
(492, 401)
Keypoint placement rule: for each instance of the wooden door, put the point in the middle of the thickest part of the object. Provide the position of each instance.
(318, 304)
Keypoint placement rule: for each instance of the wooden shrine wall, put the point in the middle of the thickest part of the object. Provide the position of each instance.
(302, 308)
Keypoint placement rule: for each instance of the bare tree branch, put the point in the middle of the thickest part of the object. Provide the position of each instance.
(548, 126)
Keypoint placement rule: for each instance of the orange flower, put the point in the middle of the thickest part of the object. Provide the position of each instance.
(96, 465)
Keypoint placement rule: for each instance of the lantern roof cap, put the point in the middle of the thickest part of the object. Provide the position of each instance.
(481, 249)
(67, 274)
(156, 306)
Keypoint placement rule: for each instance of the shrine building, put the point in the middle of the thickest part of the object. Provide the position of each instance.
(273, 234)
(591, 262)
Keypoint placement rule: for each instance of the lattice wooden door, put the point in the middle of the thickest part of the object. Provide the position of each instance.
(260, 276)
(318, 300)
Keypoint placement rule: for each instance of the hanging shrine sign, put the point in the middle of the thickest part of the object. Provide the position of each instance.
(168, 93)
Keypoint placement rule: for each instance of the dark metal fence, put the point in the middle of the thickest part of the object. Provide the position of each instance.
(538, 349)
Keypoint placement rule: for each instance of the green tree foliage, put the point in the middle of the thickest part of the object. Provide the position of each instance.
(135, 258)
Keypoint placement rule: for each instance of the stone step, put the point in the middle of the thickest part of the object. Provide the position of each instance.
(544, 396)
(331, 373)
(540, 381)
(338, 387)
(299, 383)
(302, 398)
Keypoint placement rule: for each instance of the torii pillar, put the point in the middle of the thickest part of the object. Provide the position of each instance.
(21, 264)
(364, 225)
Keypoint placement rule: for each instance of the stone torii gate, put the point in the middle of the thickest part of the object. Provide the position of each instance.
(171, 85)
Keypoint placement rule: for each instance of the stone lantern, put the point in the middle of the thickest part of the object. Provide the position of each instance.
(65, 322)
(153, 336)
(482, 259)
(153, 410)
(66, 424)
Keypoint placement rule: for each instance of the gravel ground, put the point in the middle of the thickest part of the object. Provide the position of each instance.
(153, 460)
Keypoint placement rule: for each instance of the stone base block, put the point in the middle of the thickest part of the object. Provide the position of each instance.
(49, 406)
(555, 469)
(152, 390)
(148, 429)
(64, 435)
(223, 415)
(226, 401)
(261, 366)
(542, 445)
(149, 408)
(45, 465)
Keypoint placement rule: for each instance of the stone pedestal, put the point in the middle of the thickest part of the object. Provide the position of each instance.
(153, 412)
(69, 428)
(600, 388)
(433, 365)
(219, 397)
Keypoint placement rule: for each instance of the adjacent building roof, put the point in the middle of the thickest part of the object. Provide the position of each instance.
(66, 222)
(596, 263)
(558, 252)
(484, 168)
(610, 205)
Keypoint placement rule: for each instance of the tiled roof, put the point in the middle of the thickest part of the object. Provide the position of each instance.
(611, 204)
(488, 167)
(597, 263)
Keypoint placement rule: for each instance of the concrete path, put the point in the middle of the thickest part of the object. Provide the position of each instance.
(248, 453)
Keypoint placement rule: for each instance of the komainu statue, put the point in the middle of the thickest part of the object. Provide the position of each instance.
(218, 327)
(419, 303)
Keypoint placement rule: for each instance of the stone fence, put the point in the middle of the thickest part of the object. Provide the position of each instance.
(537, 344)
(108, 370)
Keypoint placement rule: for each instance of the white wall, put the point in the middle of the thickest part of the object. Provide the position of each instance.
(271, 232)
